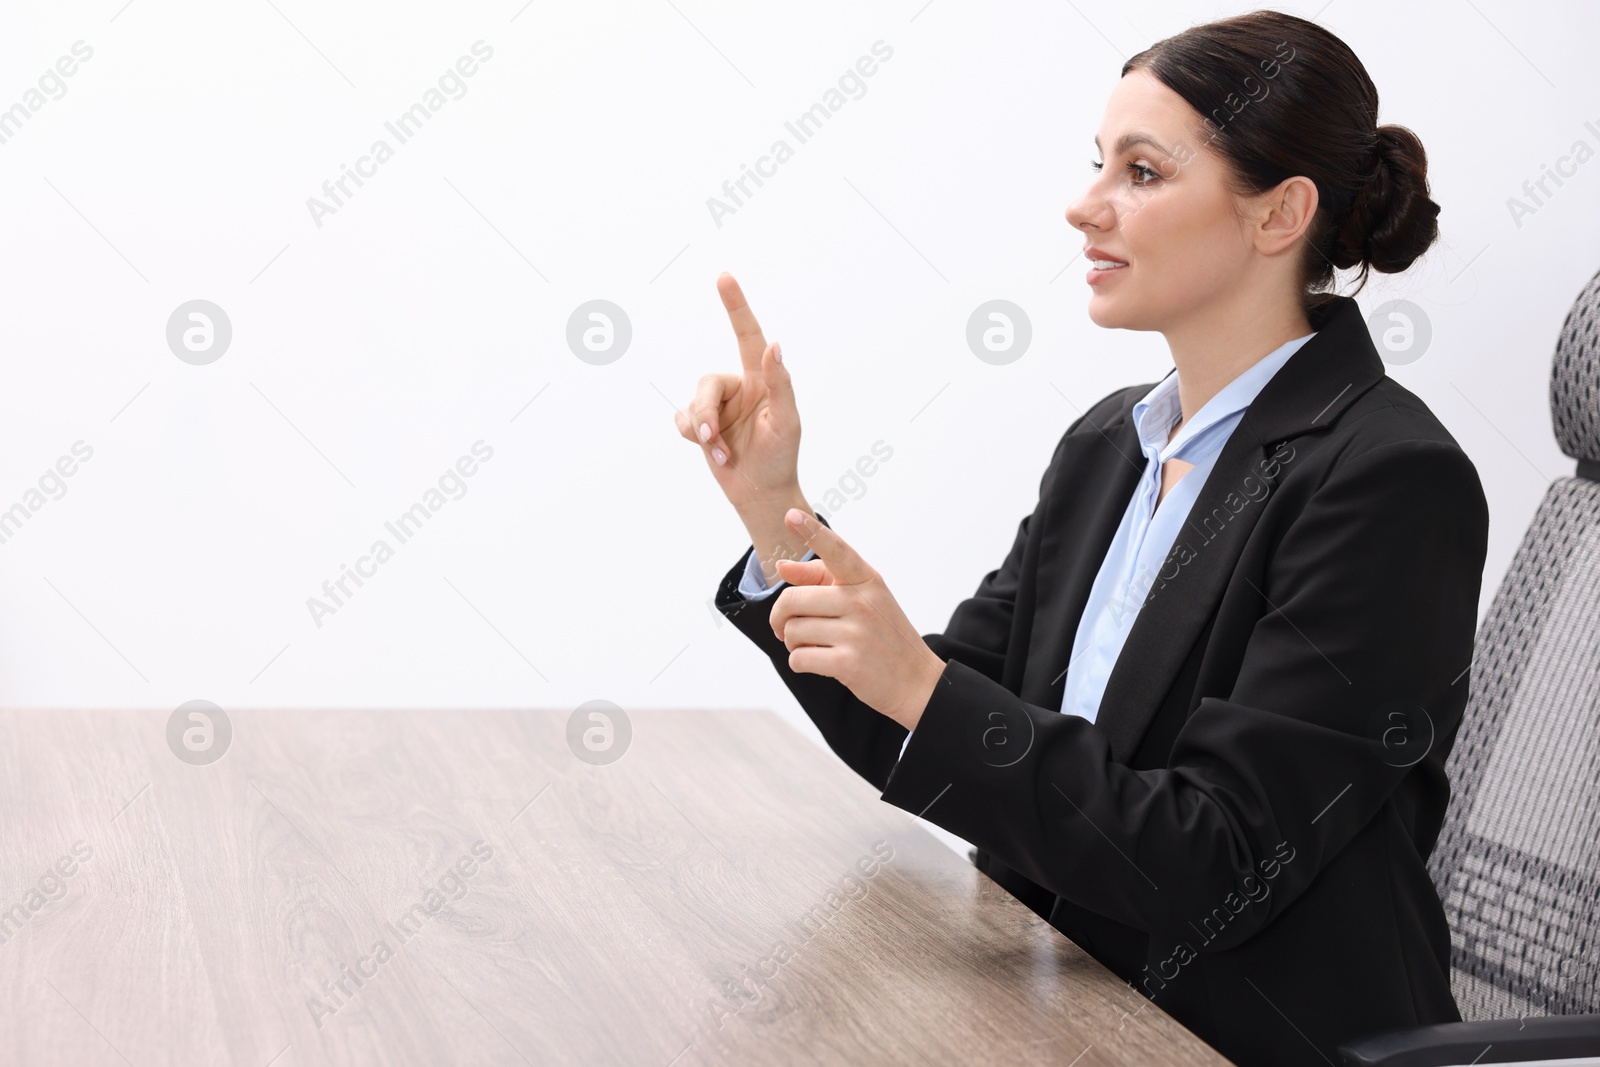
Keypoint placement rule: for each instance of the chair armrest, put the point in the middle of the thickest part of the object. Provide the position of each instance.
(1552, 1037)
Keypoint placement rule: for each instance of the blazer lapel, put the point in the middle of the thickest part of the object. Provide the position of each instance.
(1317, 383)
(1080, 519)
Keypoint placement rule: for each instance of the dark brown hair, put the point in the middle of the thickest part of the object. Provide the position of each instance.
(1280, 96)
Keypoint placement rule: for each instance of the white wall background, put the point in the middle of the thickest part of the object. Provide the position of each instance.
(430, 311)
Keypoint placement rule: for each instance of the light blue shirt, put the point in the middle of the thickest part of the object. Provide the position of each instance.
(1146, 533)
(753, 586)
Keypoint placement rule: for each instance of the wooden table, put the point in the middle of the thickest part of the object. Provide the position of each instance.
(455, 888)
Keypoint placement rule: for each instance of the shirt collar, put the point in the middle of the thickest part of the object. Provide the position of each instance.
(1156, 412)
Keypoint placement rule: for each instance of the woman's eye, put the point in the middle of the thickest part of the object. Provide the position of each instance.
(1139, 170)
(1145, 173)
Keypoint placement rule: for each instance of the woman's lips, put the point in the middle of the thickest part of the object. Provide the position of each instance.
(1096, 275)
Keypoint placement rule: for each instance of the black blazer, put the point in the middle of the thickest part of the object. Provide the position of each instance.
(1242, 834)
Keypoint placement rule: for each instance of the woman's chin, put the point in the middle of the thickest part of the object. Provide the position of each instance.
(1103, 312)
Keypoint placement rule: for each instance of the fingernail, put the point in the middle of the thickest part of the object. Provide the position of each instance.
(777, 351)
(705, 431)
(716, 454)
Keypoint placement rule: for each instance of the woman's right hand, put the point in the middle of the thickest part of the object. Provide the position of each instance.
(747, 424)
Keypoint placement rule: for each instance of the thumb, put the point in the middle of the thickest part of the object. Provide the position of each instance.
(803, 572)
(776, 375)
(844, 562)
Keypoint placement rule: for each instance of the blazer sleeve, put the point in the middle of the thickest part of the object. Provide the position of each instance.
(1369, 609)
(977, 636)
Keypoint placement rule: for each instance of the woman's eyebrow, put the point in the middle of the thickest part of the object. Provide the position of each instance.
(1128, 140)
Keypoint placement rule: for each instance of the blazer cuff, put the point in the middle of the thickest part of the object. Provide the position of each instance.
(971, 742)
(932, 756)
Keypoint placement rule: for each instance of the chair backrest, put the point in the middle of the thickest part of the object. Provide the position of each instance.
(1517, 863)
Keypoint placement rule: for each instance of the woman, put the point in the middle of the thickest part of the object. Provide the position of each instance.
(1198, 717)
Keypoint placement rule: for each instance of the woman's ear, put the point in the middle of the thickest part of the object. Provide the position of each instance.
(1285, 218)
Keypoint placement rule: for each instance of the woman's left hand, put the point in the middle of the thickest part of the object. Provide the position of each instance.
(839, 620)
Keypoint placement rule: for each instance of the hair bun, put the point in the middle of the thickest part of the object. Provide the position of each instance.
(1391, 221)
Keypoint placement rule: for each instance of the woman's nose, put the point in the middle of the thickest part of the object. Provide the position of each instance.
(1091, 210)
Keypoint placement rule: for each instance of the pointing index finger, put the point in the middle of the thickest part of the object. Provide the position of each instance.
(745, 327)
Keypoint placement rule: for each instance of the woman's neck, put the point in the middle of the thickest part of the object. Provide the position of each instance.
(1216, 349)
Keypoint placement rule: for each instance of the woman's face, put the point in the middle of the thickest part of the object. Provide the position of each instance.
(1162, 208)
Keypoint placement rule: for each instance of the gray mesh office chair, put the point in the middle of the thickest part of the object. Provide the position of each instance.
(1518, 859)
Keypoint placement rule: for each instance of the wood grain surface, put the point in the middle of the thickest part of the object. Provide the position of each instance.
(432, 888)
